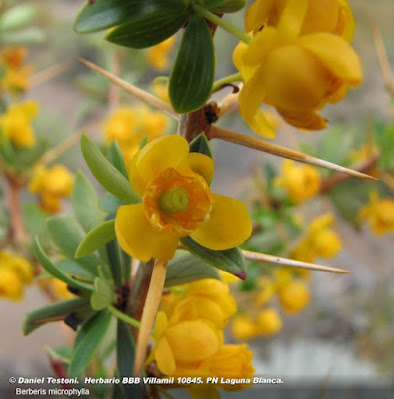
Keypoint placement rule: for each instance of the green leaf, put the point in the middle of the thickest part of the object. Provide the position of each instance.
(56, 272)
(156, 21)
(125, 360)
(41, 316)
(116, 158)
(105, 173)
(96, 238)
(223, 6)
(26, 36)
(187, 268)
(85, 203)
(102, 296)
(87, 341)
(66, 234)
(104, 14)
(384, 137)
(16, 17)
(109, 203)
(200, 144)
(119, 263)
(192, 76)
(73, 268)
(229, 260)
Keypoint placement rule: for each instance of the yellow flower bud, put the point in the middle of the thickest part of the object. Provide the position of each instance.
(158, 56)
(379, 214)
(22, 268)
(269, 322)
(294, 296)
(61, 290)
(244, 328)
(10, 284)
(327, 244)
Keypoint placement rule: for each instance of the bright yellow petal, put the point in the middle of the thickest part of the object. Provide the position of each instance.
(336, 55)
(292, 17)
(136, 181)
(228, 226)
(161, 324)
(161, 153)
(303, 119)
(257, 14)
(164, 357)
(346, 25)
(202, 164)
(138, 239)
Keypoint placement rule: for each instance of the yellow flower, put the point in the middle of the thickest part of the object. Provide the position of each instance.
(52, 185)
(10, 284)
(283, 276)
(128, 125)
(228, 277)
(320, 241)
(294, 296)
(300, 181)
(183, 348)
(15, 124)
(379, 214)
(296, 73)
(176, 202)
(244, 327)
(333, 16)
(158, 56)
(22, 268)
(160, 89)
(266, 291)
(232, 361)
(269, 322)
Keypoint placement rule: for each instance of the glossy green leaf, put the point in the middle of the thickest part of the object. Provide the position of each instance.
(102, 296)
(105, 173)
(116, 158)
(56, 272)
(87, 341)
(156, 21)
(96, 238)
(41, 316)
(73, 268)
(200, 144)
(187, 268)
(104, 14)
(85, 203)
(229, 260)
(192, 76)
(119, 262)
(67, 235)
(225, 6)
(125, 360)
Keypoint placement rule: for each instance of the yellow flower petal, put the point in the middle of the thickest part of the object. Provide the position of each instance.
(303, 119)
(138, 239)
(336, 55)
(257, 14)
(161, 153)
(202, 164)
(292, 17)
(228, 226)
(164, 357)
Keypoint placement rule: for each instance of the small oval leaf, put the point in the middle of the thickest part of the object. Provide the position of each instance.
(192, 76)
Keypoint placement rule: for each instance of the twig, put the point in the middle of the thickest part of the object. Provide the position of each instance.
(258, 257)
(48, 74)
(217, 132)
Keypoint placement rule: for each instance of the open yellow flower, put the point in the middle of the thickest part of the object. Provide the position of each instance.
(300, 181)
(379, 213)
(297, 74)
(333, 16)
(176, 202)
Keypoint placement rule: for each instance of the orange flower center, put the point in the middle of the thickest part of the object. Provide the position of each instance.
(177, 202)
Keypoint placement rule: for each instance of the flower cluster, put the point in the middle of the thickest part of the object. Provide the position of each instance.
(189, 334)
(128, 125)
(15, 272)
(14, 75)
(52, 185)
(16, 123)
(379, 214)
(301, 182)
(298, 60)
(176, 202)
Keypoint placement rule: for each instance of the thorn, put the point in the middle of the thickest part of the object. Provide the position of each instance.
(258, 257)
(142, 95)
